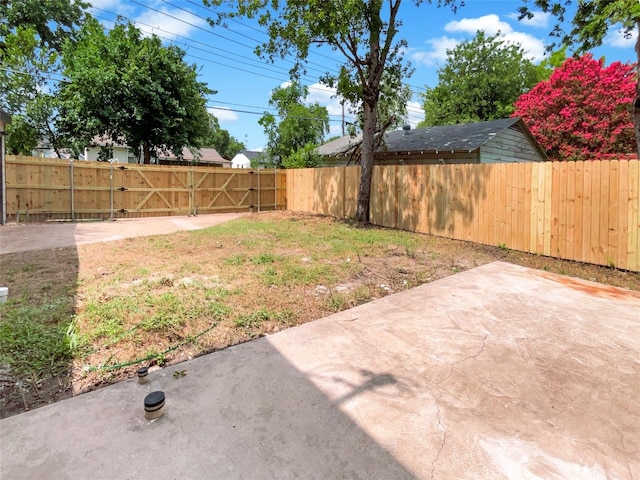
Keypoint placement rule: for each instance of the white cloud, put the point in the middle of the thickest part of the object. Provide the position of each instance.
(118, 7)
(168, 23)
(437, 53)
(618, 40)
(533, 47)
(223, 114)
(325, 96)
(490, 24)
(539, 20)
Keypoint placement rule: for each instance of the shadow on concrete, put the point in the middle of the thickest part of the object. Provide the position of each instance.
(244, 412)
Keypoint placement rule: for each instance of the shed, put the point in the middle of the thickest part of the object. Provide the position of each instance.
(495, 141)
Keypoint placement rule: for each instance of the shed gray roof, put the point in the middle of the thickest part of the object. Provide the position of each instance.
(339, 145)
(460, 137)
(250, 154)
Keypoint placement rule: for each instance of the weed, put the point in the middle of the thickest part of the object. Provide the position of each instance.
(257, 318)
(502, 246)
(263, 259)
(33, 348)
(169, 313)
(236, 260)
(337, 302)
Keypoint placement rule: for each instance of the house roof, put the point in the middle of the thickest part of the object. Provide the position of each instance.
(465, 137)
(339, 145)
(207, 155)
(460, 137)
(250, 154)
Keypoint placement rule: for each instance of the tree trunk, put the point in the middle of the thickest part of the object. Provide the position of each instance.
(146, 154)
(636, 103)
(366, 162)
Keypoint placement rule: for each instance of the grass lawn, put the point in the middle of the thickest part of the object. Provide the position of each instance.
(83, 317)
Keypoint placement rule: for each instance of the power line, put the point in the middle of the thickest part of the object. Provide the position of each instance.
(254, 39)
(265, 66)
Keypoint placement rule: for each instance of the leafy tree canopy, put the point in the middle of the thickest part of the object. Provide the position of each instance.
(32, 33)
(128, 88)
(305, 157)
(592, 20)
(480, 81)
(583, 111)
(53, 21)
(300, 125)
(220, 139)
(363, 32)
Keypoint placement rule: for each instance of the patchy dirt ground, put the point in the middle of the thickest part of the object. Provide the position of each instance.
(252, 283)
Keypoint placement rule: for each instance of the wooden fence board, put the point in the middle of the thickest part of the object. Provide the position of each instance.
(612, 223)
(527, 212)
(554, 249)
(578, 185)
(633, 217)
(508, 205)
(535, 209)
(548, 200)
(604, 214)
(621, 215)
(596, 199)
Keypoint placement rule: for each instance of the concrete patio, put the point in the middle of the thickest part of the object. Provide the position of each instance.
(496, 372)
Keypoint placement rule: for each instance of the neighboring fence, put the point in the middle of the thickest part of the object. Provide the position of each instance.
(40, 189)
(585, 211)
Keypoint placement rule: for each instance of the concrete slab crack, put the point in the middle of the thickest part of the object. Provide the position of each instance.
(469, 357)
(444, 437)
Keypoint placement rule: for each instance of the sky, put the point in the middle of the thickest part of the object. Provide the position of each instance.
(227, 63)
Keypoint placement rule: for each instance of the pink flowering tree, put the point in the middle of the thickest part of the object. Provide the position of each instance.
(583, 111)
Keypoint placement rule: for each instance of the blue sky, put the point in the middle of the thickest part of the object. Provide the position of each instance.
(244, 82)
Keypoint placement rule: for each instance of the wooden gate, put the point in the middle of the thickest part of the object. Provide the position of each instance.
(62, 189)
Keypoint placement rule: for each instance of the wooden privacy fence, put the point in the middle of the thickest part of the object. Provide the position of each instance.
(39, 189)
(585, 211)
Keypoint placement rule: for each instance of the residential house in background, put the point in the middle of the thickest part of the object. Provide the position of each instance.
(496, 141)
(114, 153)
(244, 159)
(204, 157)
(121, 153)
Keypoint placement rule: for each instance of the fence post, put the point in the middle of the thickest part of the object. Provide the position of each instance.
(259, 190)
(3, 180)
(73, 213)
(275, 188)
(111, 191)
